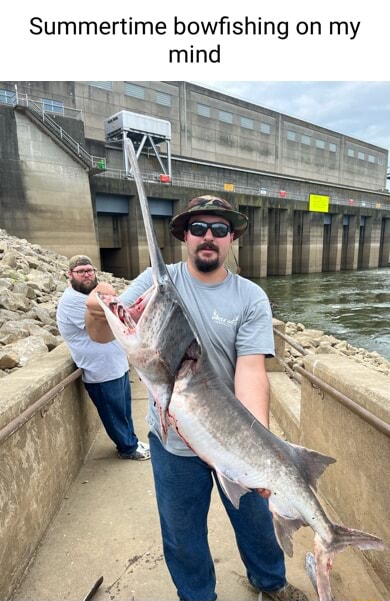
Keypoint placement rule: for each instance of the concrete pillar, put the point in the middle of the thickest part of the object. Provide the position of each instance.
(298, 228)
(351, 243)
(254, 243)
(384, 253)
(280, 236)
(372, 236)
(308, 242)
(336, 238)
(125, 254)
(115, 247)
(313, 241)
(139, 247)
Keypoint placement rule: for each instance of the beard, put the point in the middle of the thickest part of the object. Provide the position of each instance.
(207, 265)
(84, 287)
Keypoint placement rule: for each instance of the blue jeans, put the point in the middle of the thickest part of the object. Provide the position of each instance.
(112, 399)
(183, 489)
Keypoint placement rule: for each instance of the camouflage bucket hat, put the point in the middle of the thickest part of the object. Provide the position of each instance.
(79, 260)
(214, 206)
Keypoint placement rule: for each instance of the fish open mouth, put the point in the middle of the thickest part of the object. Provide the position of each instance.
(190, 360)
(118, 309)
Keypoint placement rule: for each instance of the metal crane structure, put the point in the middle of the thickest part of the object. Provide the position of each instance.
(145, 132)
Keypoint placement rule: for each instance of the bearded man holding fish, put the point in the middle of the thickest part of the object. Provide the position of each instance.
(234, 321)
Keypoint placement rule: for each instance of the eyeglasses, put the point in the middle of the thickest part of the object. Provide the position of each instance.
(83, 271)
(218, 229)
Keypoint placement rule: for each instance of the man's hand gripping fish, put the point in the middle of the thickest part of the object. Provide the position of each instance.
(164, 347)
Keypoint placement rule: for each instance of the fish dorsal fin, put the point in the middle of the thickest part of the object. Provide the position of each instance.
(311, 463)
(233, 490)
(284, 529)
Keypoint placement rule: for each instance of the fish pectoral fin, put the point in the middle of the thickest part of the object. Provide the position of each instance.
(284, 529)
(311, 463)
(233, 490)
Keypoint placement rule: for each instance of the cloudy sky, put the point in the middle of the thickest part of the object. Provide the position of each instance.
(356, 108)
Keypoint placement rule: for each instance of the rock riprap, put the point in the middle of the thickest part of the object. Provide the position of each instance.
(318, 342)
(32, 280)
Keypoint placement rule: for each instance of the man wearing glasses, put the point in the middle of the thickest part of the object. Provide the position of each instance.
(105, 366)
(234, 320)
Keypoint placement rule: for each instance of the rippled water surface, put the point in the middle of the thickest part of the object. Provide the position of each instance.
(352, 305)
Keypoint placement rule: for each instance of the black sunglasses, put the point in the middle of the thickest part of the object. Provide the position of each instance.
(199, 228)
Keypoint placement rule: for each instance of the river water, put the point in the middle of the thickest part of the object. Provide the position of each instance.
(352, 305)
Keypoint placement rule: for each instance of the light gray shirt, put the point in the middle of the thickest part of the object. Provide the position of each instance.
(233, 319)
(99, 362)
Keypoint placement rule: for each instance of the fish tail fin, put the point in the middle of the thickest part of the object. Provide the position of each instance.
(343, 537)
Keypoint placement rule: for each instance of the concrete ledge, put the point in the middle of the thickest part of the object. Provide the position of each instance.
(286, 404)
(41, 459)
(272, 364)
(357, 485)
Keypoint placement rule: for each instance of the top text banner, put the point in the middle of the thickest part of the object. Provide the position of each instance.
(282, 40)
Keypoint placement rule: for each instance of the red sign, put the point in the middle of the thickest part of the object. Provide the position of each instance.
(282, 193)
(351, 201)
(165, 179)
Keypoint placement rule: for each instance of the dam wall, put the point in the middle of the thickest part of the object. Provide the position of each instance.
(44, 192)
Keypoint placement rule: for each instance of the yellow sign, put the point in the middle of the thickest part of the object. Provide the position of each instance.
(319, 203)
(228, 187)
(377, 205)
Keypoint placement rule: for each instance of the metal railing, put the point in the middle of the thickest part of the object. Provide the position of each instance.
(39, 405)
(197, 181)
(37, 109)
(11, 99)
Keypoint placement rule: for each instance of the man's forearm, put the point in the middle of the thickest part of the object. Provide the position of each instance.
(252, 386)
(95, 319)
(98, 329)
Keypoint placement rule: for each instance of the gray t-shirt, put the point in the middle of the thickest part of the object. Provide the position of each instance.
(233, 318)
(99, 362)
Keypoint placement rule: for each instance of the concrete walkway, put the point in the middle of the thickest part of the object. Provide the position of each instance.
(108, 526)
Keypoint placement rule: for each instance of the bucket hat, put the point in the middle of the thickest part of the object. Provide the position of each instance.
(214, 206)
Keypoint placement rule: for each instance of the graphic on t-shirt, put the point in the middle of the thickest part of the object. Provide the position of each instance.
(224, 320)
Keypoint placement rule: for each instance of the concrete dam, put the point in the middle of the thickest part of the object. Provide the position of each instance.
(68, 192)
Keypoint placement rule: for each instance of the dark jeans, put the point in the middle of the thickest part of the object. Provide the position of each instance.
(112, 399)
(183, 489)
